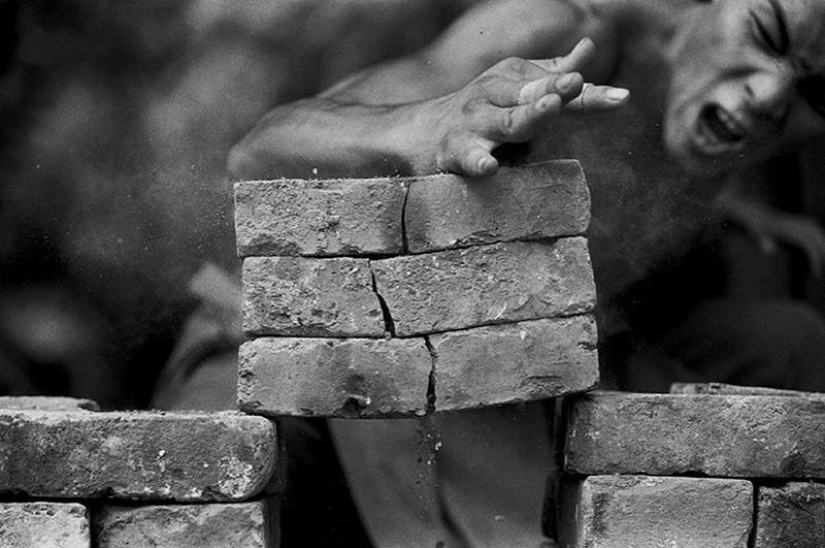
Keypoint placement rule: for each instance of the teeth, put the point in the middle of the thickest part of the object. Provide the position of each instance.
(718, 131)
(731, 125)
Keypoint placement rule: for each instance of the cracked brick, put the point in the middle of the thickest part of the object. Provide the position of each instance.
(319, 218)
(308, 297)
(484, 285)
(350, 378)
(514, 363)
(540, 201)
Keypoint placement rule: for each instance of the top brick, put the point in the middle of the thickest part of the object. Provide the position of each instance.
(187, 457)
(544, 200)
(319, 218)
(710, 435)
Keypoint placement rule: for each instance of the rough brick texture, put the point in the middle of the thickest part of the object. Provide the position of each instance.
(334, 377)
(719, 388)
(726, 436)
(515, 362)
(319, 218)
(186, 526)
(147, 456)
(791, 516)
(47, 403)
(34, 524)
(637, 511)
(540, 201)
(310, 298)
(498, 283)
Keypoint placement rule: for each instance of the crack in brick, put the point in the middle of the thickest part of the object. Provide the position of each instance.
(389, 324)
(405, 247)
(431, 383)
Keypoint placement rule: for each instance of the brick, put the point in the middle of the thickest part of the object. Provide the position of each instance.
(724, 436)
(643, 511)
(247, 524)
(514, 363)
(719, 388)
(791, 516)
(484, 285)
(52, 524)
(319, 218)
(135, 455)
(310, 298)
(347, 378)
(534, 202)
(47, 403)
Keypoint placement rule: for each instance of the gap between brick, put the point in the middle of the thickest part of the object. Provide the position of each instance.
(431, 382)
(751, 540)
(389, 324)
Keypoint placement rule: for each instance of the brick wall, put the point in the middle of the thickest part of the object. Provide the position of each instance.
(402, 297)
(72, 476)
(707, 465)
(396, 297)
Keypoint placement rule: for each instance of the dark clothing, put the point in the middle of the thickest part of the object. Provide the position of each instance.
(771, 343)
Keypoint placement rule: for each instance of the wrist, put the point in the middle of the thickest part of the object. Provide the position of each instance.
(418, 135)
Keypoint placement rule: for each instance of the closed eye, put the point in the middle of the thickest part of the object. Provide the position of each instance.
(774, 33)
(765, 36)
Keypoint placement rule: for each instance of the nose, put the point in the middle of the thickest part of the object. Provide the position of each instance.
(769, 95)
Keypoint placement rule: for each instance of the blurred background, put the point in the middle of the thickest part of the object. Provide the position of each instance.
(116, 118)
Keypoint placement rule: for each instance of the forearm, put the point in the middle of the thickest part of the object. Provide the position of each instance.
(325, 138)
(511, 102)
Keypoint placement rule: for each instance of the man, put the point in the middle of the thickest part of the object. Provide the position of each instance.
(718, 88)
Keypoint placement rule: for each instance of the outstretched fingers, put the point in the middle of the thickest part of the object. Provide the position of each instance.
(579, 56)
(473, 152)
(523, 122)
(469, 155)
(595, 98)
(566, 86)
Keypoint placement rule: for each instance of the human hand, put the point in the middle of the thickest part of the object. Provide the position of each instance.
(511, 103)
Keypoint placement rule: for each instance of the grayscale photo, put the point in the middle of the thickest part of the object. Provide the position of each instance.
(412, 273)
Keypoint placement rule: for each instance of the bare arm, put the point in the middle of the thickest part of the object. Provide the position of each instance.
(413, 116)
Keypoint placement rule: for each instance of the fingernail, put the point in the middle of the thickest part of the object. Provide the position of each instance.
(617, 94)
(548, 102)
(583, 41)
(485, 164)
(565, 81)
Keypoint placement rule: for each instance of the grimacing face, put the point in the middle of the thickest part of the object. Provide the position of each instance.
(748, 82)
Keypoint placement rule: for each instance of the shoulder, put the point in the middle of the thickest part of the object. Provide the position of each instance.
(532, 29)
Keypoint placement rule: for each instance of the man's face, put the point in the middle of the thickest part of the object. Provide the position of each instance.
(748, 82)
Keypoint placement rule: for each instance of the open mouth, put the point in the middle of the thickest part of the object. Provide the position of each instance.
(718, 131)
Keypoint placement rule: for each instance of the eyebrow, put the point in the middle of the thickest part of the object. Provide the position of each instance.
(782, 23)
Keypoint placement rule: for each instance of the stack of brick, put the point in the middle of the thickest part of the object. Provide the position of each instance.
(398, 297)
(707, 465)
(72, 476)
